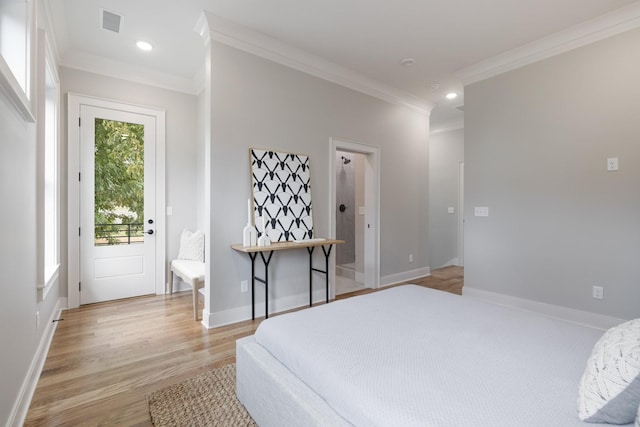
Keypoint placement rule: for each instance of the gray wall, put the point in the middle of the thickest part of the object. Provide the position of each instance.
(446, 151)
(536, 144)
(258, 103)
(19, 302)
(181, 141)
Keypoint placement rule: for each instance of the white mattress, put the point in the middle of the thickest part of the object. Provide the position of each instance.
(412, 356)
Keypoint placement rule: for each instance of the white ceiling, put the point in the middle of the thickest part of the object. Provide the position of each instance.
(368, 37)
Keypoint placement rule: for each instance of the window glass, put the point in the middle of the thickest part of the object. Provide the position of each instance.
(51, 173)
(13, 38)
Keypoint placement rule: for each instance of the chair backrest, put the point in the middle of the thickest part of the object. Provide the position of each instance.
(191, 245)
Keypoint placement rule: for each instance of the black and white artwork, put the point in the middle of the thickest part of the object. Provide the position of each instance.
(281, 185)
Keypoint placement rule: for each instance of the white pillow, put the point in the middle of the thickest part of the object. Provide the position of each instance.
(191, 245)
(609, 391)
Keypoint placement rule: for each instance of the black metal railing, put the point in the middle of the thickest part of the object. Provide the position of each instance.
(118, 234)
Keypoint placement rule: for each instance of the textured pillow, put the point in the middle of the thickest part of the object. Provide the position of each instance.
(609, 391)
(191, 245)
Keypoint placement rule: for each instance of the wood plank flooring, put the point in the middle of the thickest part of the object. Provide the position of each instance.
(106, 358)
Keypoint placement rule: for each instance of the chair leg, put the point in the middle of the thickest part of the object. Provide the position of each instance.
(195, 288)
(171, 283)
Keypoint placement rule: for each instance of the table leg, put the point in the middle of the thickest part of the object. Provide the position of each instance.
(310, 250)
(326, 252)
(253, 255)
(266, 262)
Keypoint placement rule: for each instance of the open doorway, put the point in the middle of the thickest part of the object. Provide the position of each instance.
(354, 215)
(349, 179)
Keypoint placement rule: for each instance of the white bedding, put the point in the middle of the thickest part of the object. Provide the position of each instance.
(411, 356)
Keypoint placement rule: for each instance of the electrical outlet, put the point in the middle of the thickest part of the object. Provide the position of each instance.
(410, 258)
(244, 286)
(598, 292)
(612, 164)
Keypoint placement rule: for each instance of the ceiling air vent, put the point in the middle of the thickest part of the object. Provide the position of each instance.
(110, 21)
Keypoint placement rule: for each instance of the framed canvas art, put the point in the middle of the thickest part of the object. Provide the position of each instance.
(281, 194)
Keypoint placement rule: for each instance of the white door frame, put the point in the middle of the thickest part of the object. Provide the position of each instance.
(73, 159)
(372, 207)
(460, 242)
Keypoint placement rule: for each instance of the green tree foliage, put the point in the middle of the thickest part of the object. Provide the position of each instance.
(119, 177)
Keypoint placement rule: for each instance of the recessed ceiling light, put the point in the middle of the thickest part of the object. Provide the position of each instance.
(142, 45)
(407, 62)
(451, 95)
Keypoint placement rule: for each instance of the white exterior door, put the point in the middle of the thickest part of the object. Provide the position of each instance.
(117, 204)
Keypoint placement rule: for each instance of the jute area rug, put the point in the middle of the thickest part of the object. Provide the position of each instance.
(208, 399)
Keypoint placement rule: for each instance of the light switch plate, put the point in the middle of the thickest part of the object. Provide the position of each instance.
(451, 209)
(481, 211)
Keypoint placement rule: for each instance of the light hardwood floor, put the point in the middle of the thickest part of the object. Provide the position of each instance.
(106, 358)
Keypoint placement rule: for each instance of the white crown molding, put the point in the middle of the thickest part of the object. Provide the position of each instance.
(54, 40)
(120, 70)
(212, 27)
(608, 25)
(448, 126)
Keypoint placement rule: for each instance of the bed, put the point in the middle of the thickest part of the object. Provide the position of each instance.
(412, 356)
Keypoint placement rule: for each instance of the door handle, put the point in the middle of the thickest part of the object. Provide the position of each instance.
(149, 231)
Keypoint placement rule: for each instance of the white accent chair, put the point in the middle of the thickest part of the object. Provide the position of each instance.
(190, 264)
(192, 273)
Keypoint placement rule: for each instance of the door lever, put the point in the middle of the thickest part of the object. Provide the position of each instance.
(149, 231)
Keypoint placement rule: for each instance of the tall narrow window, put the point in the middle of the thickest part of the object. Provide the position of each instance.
(13, 38)
(48, 168)
(17, 18)
(51, 185)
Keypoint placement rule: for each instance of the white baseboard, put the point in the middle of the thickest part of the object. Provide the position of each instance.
(393, 279)
(349, 273)
(240, 314)
(585, 318)
(452, 261)
(178, 286)
(21, 405)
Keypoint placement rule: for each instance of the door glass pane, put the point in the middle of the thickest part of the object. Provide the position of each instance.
(119, 183)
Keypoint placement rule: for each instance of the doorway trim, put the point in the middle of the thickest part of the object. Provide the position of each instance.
(74, 102)
(460, 241)
(372, 207)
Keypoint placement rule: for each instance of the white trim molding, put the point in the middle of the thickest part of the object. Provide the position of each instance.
(372, 169)
(278, 305)
(23, 400)
(120, 70)
(608, 25)
(213, 27)
(394, 279)
(584, 318)
(448, 126)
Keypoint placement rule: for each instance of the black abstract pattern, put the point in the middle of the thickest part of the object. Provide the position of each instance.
(281, 184)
